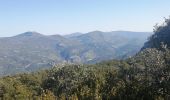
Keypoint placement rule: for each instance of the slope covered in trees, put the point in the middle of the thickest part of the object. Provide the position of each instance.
(146, 76)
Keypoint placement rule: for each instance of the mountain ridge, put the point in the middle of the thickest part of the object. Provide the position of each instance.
(42, 51)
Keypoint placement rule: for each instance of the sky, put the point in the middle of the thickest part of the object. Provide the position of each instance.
(69, 16)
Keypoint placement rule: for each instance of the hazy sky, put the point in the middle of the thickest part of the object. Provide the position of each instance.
(68, 16)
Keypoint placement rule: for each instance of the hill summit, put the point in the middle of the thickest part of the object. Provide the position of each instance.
(29, 33)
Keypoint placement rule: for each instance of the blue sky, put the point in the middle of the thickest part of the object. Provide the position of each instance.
(68, 16)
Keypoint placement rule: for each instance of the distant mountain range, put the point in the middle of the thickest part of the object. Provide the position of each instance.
(31, 51)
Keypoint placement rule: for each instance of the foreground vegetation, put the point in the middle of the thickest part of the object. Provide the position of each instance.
(145, 76)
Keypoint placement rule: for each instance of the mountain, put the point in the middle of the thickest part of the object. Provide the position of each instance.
(31, 51)
(109, 45)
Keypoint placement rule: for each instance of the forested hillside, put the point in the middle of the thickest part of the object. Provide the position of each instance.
(146, 76)
(143, 77)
